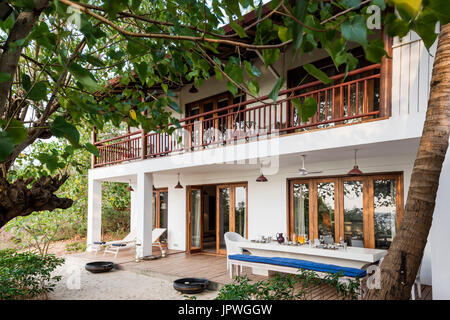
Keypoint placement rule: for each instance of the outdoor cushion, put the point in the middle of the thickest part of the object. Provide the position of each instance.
(119, 245)
(301, 264)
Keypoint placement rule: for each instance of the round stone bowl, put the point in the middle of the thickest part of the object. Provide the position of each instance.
(99, 266)
(190, 285)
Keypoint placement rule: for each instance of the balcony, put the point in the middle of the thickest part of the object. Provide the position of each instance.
(351, 99)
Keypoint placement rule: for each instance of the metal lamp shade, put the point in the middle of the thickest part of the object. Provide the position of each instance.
(355, 171)
(261, 178)
(178, 186)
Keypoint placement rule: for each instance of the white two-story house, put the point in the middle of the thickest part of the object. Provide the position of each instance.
(234, 163)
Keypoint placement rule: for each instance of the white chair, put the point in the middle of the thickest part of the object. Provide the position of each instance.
(130, 242)
(156, 234)
(96, 247)
(417, 283)
(230, 239)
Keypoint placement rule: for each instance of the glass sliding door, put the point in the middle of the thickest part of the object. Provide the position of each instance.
(231, 212)
(300, 206)
(160, 201)
(353, 213)
(240, 209)
(325, 211)
(223, 218)
(163, 211)
(195, 219)
(154, 210)
(385, 212)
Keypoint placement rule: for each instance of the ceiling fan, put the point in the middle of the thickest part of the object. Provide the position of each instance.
(303, 171)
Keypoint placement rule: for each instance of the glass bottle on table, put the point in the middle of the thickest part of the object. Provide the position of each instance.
(294, 237)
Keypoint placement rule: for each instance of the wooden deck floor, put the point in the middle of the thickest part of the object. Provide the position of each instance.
(178, 264)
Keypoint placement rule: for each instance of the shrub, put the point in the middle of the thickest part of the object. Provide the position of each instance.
(116, 222)
(26, 275)
(76, 246)
(285, 287)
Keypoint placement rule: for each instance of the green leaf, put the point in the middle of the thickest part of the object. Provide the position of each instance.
(112, 7)
(300, 10)
(408, 8)
(270, 56)
(380, 3)
(62, 129)
(276, 88)
(16, 131)
(238, 29)
(92, 149)
(351, 3)
(425, 27)
(84, 77)
(218, 73)
(94, 61)
(26, 81)
(253, 86)
(252, 71)
(317, 73)
(175, 107)
(232, 88)
(355, 29)
(6, 145)
(375, 51)
(234, 71)
(39, 91)
(141, 70)
(396, 26)
(307, 109)
(284, 34)
(5, 77)
(441, 8)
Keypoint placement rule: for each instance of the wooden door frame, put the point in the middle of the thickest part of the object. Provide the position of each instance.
(368, 202)
(232, 213)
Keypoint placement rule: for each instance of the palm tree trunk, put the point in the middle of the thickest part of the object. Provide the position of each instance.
(401, 264)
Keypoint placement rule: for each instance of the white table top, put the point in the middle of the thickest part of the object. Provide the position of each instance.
(351, 253)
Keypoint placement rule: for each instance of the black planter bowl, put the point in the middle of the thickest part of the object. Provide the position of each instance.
(190, 285)
(99, 266)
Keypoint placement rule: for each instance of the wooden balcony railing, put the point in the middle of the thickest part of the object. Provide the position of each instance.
(354, 100)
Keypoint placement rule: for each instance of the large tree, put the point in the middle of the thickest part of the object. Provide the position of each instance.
(56, 56)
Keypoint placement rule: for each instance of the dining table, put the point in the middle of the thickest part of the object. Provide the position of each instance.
(352, 257)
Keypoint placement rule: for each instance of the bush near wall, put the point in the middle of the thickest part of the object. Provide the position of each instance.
(27, 275)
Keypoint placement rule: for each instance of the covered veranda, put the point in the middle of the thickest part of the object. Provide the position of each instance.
(179, 264)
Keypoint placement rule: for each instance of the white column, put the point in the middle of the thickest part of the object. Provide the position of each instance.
(144, 214)
(94, 218)
(133, 207)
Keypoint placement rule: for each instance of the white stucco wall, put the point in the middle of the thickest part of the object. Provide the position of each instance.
(440, 236)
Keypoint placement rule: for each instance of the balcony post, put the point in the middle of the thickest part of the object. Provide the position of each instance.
(93, 141)
(386, 77)
(144, 144)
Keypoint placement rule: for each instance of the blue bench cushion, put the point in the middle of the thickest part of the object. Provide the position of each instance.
(301, 264)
